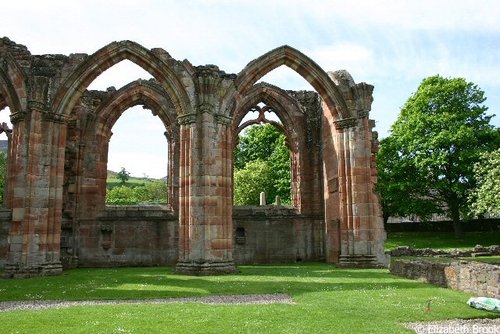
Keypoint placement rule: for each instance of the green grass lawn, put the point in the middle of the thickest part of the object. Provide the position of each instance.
(327, 300)
(441, 240)
(484, 259)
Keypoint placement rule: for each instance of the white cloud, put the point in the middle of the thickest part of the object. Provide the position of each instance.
(390, 44)
(430, 15)
(119, 75)
(138, 143)
(352, 57)
(139, 164)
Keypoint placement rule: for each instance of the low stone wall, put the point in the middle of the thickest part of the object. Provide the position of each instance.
(480, 279)
(430, 252)
(128, 236)
(276, 234)
(484, 225)
(148, 236)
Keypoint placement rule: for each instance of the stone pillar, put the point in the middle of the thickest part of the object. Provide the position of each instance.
(205, 196)
(338, 216)
(34, 237)
(366, 236)
(354, 226)
(91, 167)
(173, 167)
(309, 186)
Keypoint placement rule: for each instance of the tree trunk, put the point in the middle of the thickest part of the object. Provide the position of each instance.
(457, 224)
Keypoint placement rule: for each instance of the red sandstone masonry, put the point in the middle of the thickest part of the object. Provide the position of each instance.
(59, 149)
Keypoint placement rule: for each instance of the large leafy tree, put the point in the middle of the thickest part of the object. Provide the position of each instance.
(426, 164)
(250, 181)
(264, 144)
(486, 197)
(393, 185)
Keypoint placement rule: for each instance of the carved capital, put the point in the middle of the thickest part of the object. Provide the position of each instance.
(223, 119)
(205, 108)
(186, 119)
(345, 123)
(53, 117)
(72, 123)
(36, 106)
(16, 117)
(363, 113)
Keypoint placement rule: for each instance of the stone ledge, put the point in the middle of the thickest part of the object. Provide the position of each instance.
(203, 268)
(46, 269)
(477, 278)
(359, 261)
(478, 250)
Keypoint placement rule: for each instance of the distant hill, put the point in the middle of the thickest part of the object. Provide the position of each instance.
(113, 175)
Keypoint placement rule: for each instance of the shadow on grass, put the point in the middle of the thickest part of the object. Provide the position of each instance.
(161, 282)
(441, 240)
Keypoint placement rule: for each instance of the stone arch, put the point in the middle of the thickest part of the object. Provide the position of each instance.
(152, 96)
(13, 85)
(106, 57)
(3, 103)
(303, 65)
(274, 97)
(138, 92)
(13, 94)
(292, 116)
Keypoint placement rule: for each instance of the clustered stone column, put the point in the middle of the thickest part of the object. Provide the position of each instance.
(37, 199)
(353, 217)
(205, 216)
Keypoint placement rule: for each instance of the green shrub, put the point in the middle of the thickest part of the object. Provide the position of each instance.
(150, 192)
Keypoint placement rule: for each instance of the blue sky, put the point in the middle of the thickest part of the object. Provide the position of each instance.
(392, 45)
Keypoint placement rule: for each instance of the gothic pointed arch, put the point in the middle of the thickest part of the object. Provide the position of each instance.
(3, 102)
(303, 65)
(12, 84)
(281, 103)
(148, 93)
(72, 88)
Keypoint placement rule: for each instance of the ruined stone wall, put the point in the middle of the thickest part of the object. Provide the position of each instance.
(58, 162)
(148, 236)
(274, 234)
(480, 279)
(128, 236)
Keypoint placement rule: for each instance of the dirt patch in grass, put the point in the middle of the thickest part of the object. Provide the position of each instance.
(227, 299)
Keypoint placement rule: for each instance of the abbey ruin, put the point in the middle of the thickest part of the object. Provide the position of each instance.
(55, 214)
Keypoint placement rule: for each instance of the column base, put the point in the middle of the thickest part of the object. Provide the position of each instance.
(205, 268)
(45, 269)
(359, 261)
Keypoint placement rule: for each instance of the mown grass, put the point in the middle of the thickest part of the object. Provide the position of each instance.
(484, 259)
(441, 240)
(327, 300)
